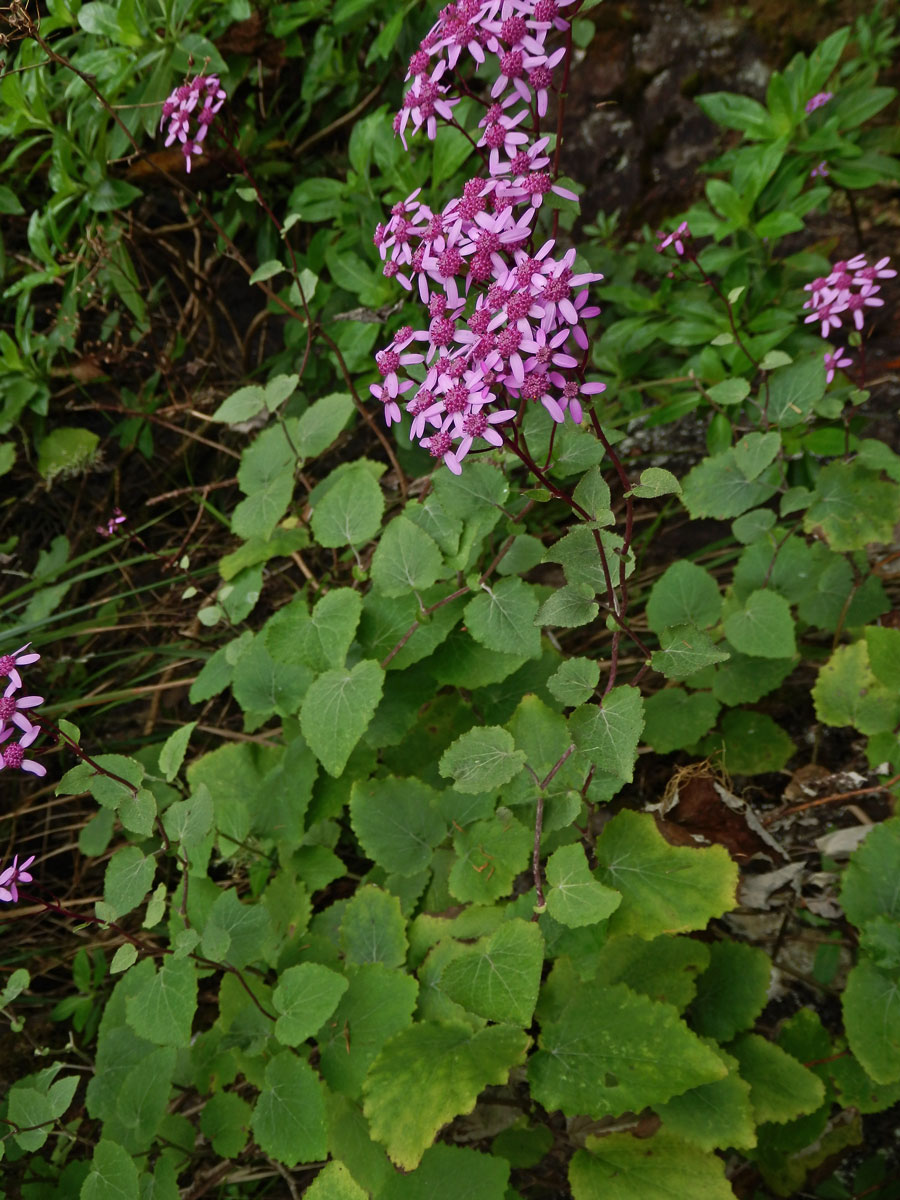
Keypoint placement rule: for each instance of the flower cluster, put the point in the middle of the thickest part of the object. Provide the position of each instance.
(193, 103)
(505, 319)
(849, 289)
(509, 35)
(17, 873)
(13, 721)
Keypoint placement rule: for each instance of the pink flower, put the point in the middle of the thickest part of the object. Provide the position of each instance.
(9, 663)
(677, 238)
(17, 873)
(818, 100)
(835, 362)
(859, 301)
(477, 425)
(109, 529)
(10, 706)
(863, 273)
(14, 754)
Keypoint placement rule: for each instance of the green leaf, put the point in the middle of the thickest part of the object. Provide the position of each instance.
(665, 889)
(406, 559)
(665, 968)
(869, 884)
(451, 1173)
(794, 390)
(398, 823)
(568, 607)
(162, 1010)
(729, 391)
(884, 654)
(128, 878)
(141, 1101)
(234, 932)
(66, 451)
(316, 199)
(737, 112)
(334, 1182)
(349, 513)
(608, 733)
(323, 639)
(610, 1051)
(732, 991)
(490, 854)
(852, 506)
(745, 680)
(656, 481)
(189, 821)
(764, 627)
(449, 154)
(574, 897)
(755, 451)
(752, 743)
(124, 957)
(717, 487)
(113, 1174)
(263, 685)
(780, 1087)
(479, 487)
(685, 649)
(350, 271)
(575, 681)
(224, 1120)
(481, 760)
(378, 1004)
(778, 224)
(318, 427)
(337, 710)
(171, 756)
(676, 718)
(753, 525)
(871, 1003)
(498, 977)
(621, 1167)
(684, 594)
(289, 1118)
(241, 405)
(502, 618)
(267, 270)
(847, 691)
(373, 928)
(406, 1106)
(10, 205)
(717, 1114)
(305, 998)
(40, 1106)
(592, 493)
